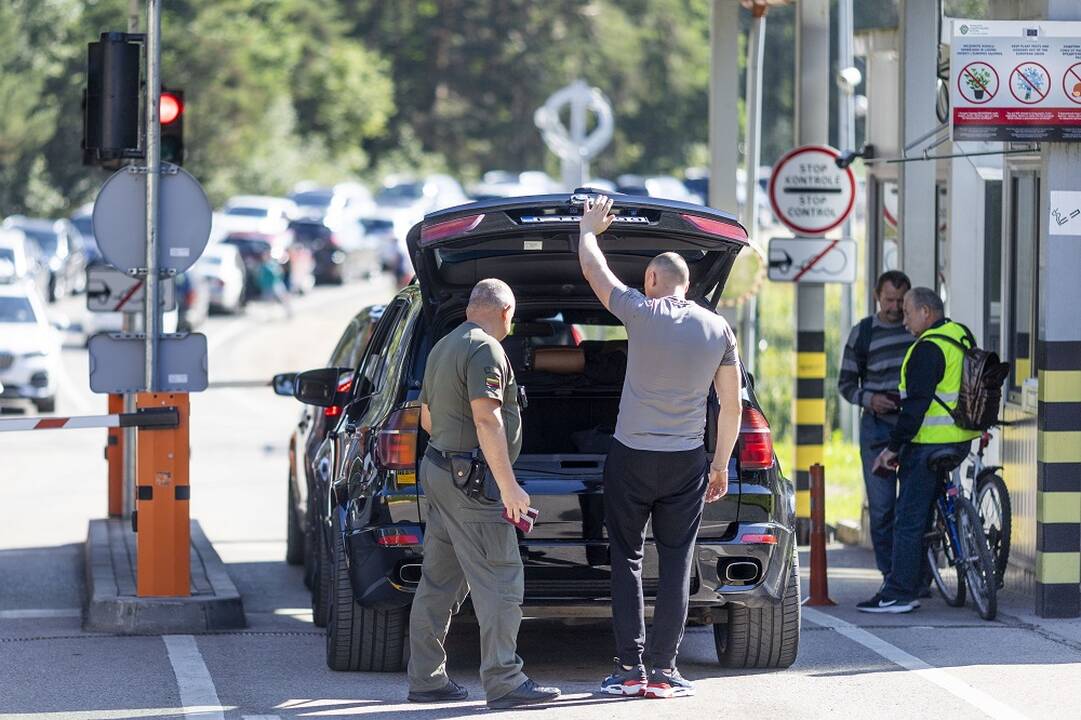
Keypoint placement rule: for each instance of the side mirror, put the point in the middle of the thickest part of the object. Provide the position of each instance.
(284, 384)
(319, 387)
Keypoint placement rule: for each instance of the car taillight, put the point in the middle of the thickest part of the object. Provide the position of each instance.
(336, 410)
(397, 537)
(732, 231)
(396, 443)
(434, 233)
(576, 335)
(755, 441)
(758, 539)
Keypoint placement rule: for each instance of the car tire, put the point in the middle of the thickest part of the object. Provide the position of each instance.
(321, 583)
(311, 547)
(358, 637)
(46, 405)
(766, 637)
(294, 534)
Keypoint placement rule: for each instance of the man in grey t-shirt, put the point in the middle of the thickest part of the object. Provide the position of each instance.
(657, 468)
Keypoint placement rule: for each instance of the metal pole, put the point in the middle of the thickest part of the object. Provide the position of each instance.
(752, 159)
(812, 128)
(846, 139)
(723, 113)
(128, 460)
(153, 177)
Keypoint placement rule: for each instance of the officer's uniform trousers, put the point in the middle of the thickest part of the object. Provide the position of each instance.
(468, 550)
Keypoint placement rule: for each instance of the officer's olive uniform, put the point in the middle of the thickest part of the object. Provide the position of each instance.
(468, 547)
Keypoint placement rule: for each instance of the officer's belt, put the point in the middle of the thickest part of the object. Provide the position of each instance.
(439, 458)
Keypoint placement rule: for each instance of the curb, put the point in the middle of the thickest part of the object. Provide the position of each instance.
(112, 605)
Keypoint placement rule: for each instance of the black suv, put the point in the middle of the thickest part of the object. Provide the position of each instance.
(745, 581)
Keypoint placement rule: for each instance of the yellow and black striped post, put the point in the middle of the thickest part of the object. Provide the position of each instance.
(810, 418)
(1058, 480)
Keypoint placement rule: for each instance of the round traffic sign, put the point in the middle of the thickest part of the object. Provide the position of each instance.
(809, 193)
(1030, 83)
(977, 82)
(119, 220)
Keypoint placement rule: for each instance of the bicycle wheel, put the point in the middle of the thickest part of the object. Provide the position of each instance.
(978, 562)
(993, 502)
(949, 576)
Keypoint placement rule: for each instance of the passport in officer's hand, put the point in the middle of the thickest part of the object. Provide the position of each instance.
(525, 524)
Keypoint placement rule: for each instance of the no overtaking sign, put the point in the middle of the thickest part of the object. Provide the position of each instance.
(809, 193)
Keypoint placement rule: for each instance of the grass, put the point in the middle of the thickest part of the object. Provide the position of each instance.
(844, 476)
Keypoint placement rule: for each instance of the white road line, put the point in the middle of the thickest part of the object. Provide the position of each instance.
(40, 613)
(261, 717)
(197, 692)
(945, 680)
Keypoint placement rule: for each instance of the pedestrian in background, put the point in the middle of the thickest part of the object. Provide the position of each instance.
(657, 468)
(272, 283)
(469, 401)
(869, 378)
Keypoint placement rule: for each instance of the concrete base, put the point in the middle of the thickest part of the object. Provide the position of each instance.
(112, 605)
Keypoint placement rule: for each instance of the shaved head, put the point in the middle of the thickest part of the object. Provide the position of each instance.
(491, 305)
(670, 275)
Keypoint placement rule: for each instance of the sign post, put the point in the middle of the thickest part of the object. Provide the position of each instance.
(575, 147)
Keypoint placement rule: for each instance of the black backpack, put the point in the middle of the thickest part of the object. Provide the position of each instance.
(982, 375)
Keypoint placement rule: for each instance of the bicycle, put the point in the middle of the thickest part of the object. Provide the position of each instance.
(957, 548)
(992, 500)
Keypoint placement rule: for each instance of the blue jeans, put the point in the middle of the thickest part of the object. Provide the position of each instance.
(881, 491)
(919, 489)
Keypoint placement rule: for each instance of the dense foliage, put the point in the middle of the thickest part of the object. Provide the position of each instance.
(281, 90)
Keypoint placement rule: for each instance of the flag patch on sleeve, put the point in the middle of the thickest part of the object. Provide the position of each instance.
(492, 379)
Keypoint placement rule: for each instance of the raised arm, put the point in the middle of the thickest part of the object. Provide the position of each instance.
(595, 220)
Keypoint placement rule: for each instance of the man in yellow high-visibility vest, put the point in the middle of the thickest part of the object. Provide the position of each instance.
(930, 384)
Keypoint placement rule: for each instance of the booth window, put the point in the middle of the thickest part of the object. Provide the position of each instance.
(1023, 291)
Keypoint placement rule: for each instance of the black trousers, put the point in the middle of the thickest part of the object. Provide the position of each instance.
(668, 488)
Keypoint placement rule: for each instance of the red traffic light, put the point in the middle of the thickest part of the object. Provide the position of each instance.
(170, 108)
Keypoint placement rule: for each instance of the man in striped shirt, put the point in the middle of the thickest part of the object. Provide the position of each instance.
(869, 377)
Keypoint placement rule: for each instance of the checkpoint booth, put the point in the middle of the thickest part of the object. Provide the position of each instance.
(978, 127)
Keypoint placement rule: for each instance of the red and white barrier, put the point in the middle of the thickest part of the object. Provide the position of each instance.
(166, 417)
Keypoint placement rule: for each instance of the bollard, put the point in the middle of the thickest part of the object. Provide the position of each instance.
(163, 540)
(114, 456)
(820, 593)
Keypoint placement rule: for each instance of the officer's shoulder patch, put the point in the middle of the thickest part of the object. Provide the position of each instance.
(493, 378)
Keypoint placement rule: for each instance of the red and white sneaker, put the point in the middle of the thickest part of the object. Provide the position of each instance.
(667, 684)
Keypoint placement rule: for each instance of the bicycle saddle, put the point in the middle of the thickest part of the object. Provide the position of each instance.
(945, 459)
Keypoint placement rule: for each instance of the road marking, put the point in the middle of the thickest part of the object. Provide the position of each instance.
(40, 613)
(261, 717)
(197, 692)
(948, 682)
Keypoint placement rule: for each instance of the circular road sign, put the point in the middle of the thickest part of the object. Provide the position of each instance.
(809, 193)
(977, 83)
(1030, 83)
(119, 220)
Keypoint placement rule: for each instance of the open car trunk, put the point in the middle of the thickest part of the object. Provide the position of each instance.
(532, 244)
(568, 421)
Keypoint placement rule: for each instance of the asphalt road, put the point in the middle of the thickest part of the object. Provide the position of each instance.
(937, 662)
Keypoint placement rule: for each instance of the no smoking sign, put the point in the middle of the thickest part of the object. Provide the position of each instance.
(809, 193)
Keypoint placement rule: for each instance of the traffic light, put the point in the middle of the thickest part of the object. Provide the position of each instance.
(171, 117)
(111, 117)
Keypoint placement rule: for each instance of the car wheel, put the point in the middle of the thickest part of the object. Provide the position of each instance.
(311, 547)
(46, 405)
(321, 583)
(765, 637)
(358, 637)
(294, 535)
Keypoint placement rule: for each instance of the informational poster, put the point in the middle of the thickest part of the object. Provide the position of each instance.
(1016, 81)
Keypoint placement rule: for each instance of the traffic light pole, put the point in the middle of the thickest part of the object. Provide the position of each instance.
(152, 325)
(128, 435)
